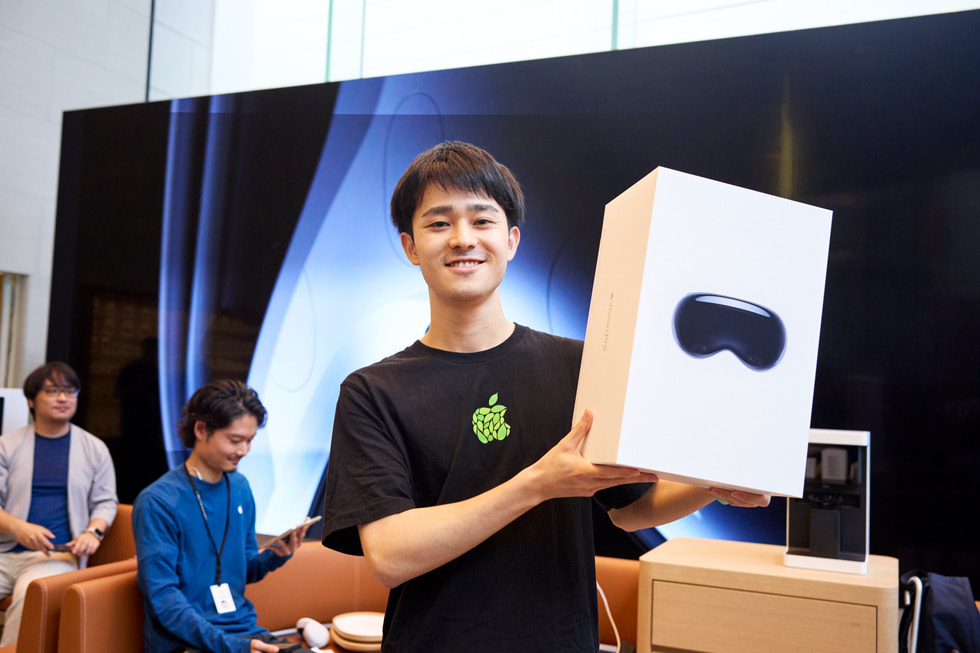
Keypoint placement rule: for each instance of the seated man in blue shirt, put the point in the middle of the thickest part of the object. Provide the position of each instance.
(195, 533)
(57, 490)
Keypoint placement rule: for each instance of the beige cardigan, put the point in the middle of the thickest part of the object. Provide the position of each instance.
(91, 479)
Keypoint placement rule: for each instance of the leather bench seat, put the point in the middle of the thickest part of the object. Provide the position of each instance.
(42, 604)
(106, 614)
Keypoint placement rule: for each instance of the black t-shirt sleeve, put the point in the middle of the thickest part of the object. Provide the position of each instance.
(367, 475)
(620, 495)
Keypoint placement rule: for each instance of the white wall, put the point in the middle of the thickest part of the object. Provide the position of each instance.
(266, 43)
(270, 43)
(183, 36)
(54, 55)
(659, 22)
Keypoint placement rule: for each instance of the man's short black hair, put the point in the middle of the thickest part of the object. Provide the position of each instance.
(455, 165)
(217, 404)
(56, 372)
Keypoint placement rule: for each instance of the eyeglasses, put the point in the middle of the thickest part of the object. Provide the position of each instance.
(55, 390)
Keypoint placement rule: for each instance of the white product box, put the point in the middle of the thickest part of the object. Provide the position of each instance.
(701, 344)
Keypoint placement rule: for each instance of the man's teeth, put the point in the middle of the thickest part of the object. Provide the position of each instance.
(464, 264)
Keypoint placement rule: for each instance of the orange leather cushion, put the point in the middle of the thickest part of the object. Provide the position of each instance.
(43, 603)
(102, 614)
(619, 579)
(316, 582)
(118, 543)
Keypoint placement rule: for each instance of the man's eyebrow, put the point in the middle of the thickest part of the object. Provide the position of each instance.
(480, 207)
(440, 209)
(473, 207)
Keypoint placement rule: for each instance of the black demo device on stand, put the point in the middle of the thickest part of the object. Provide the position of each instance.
(828, 527)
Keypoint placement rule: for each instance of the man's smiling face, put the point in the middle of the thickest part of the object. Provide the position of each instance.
(461, 243)
(56, 403)
(222, 449)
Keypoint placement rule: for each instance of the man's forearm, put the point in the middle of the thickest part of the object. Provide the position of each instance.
(664, 502)
(408, 544)
(402, 546)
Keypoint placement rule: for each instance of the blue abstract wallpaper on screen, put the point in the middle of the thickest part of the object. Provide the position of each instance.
(248, 235)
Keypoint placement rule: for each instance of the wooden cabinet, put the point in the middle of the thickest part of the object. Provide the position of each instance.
(716, 595)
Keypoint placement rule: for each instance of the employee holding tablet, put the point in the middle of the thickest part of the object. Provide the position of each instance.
(195, 533)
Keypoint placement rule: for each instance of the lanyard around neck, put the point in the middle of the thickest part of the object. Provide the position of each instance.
(224, 537)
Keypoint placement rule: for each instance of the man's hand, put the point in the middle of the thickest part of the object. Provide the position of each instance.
(34, 537)
(668, 501)
(741, 499)
(287, 546)
(262, 647)
(564, 472)
(85, 544)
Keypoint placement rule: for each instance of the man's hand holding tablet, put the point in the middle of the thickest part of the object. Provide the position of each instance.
(286, 543)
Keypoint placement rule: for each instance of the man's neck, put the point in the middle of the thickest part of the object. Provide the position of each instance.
(199, 469)
(467, 331)
(51, 428)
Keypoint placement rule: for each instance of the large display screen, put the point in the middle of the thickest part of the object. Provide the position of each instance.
(247, 235)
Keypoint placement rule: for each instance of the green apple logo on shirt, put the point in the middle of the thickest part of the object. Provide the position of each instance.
(488, 421)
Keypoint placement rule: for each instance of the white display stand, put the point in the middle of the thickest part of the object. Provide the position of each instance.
(838, 489)
(701, 344)
(14, 411)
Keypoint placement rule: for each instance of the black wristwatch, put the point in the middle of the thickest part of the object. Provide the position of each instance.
(96, 532)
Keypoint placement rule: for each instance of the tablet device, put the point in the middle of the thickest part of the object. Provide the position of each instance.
(265, 541)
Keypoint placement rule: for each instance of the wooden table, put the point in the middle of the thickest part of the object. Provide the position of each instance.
(716, 595)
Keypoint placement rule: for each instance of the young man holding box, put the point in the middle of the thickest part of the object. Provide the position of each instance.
(450, 466)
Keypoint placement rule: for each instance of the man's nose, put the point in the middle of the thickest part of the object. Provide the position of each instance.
(462, 236)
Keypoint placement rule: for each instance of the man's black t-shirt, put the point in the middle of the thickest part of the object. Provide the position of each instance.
(428, 427)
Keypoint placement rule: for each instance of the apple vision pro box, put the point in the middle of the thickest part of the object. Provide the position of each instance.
(701, 343)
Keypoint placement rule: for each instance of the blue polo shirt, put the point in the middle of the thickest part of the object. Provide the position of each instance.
(49, 489)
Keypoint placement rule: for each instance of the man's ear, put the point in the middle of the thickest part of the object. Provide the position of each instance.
(201, 431)
(408, 244)
(513, 240)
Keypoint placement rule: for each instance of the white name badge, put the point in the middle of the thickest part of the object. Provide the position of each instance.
(223, 602)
